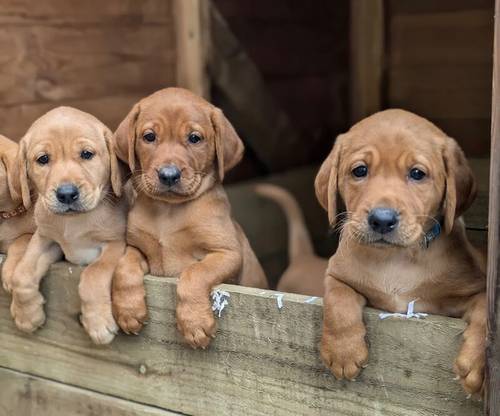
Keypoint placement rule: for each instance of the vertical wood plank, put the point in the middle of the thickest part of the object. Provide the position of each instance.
(493, 393)
(193, 43)
(367, 54)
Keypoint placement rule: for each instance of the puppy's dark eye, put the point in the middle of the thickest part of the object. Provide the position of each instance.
(416, 174)
(43, 159)
(360, 171)
(86, 154)
(194, 138)
(149, 136)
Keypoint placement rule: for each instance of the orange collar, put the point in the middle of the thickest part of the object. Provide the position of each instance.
(20, 210)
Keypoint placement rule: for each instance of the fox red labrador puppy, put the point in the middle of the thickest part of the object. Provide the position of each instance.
(404, 184)
(178, 147)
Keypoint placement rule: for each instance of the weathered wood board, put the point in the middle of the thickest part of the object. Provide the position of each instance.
(263, 361)
(26, 395)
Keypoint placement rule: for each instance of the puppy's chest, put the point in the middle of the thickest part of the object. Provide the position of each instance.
(167, 241)
(78, 246)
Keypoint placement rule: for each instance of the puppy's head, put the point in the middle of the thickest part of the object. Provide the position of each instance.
(398, 174)
(8, 173)
(67, 155)
(177, 145)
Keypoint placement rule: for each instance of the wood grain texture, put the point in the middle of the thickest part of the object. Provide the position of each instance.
(493, 277)
(439, 65)
(192, 23)
(263, 361)
(367, 57)
(61, 53)
(26, 395)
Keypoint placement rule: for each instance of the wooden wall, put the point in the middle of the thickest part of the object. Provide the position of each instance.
(99, 56)
(302, 51)
(439, 64)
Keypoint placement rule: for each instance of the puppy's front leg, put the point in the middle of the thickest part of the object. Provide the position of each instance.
(27, 301)
(343, 345)
(15, 254)
(195, 319)
(470, 361)
(128, 294)
(95, 294)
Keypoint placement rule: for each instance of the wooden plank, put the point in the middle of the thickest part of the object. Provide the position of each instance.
(493, 275)
(367, 55)
(264, 360)
(243, 94)
(26, 395)
(193, 42)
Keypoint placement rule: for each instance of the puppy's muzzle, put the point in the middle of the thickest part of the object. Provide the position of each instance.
(67, 193)
(383, 220)
(169, 175)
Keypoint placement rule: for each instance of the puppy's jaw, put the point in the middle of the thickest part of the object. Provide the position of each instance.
(89, 199)
(406, 235)
(189, 188)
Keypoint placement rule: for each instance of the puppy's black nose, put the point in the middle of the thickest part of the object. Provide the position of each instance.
(383, 220)
(169, 175)
(67, 193)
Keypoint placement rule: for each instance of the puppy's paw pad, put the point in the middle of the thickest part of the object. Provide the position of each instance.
(28, 319)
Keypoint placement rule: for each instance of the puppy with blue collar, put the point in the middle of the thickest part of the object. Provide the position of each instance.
(404, 184)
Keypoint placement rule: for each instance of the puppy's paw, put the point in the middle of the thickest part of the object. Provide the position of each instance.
(99, 324)
(7, 282)
(196, 324)
(344, 356)
(469, 368)
(28, 316)
(130, 314)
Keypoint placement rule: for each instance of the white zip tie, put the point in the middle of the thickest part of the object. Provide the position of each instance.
(279, 299)
(409, 313)
(311, 299)
(220, 299)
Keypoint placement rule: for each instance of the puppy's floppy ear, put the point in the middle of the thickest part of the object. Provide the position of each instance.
(9, 160)
(115, 174)
(124, 137)
(326, 182)
(460, 183)
(228, 146)
(20, 182)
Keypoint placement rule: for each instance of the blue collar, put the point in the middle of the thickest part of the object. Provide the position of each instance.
(432, 234)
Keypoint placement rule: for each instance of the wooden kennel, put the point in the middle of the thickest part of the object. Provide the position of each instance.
(104, 56)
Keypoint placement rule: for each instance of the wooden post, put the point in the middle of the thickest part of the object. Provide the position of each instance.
(193, 45)
(493, 391)
(367, 57)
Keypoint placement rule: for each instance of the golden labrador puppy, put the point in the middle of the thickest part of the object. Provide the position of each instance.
(16, 222)
(178, 147)
(68, 157)
(404, 184)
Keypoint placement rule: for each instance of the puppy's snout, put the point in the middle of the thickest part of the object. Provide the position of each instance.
(67, 193)
(169, 175)
(383, 220)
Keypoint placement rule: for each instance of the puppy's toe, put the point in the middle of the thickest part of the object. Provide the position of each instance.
(7, 284)
(129, 319)
(469, 367)
(28, 317)
(101, 329)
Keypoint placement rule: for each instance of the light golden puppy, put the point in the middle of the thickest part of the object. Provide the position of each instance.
(67, 155)
(404, 184)
(16, 222)
(178, 147)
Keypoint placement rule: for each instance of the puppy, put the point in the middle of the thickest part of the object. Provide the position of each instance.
(404, 184)
(16, 222)
(306, 271)
(67, 155)
(179, 147)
